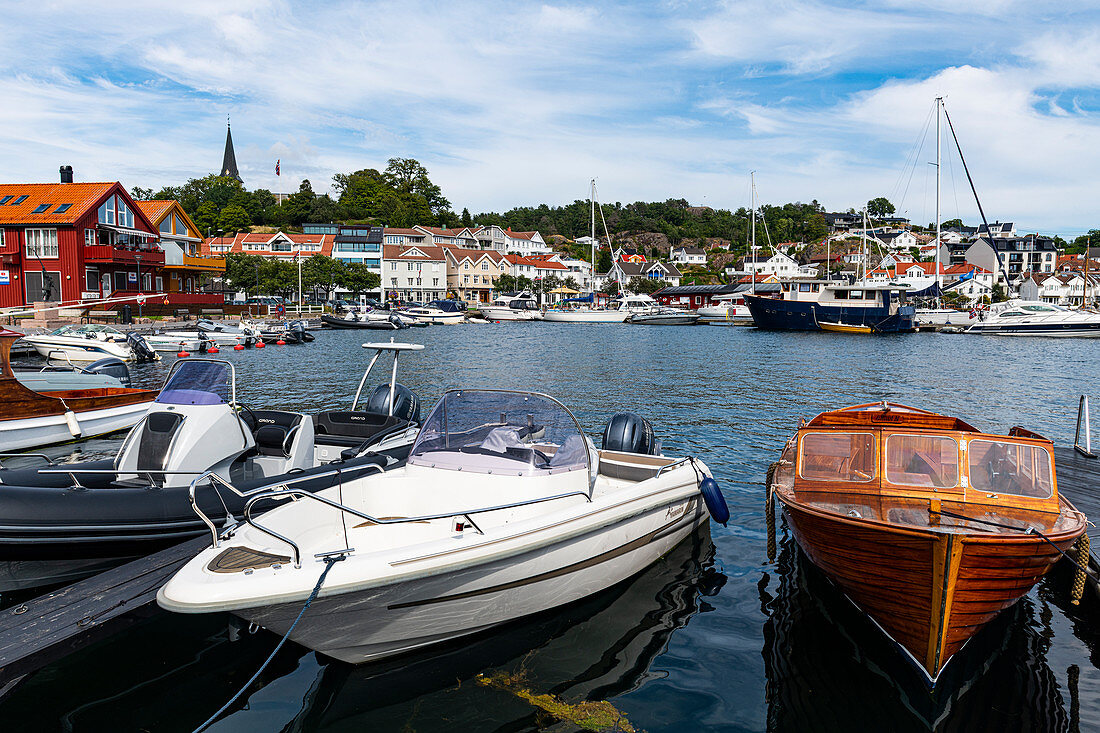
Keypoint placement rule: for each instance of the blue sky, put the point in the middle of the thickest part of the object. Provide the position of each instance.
(516, 103)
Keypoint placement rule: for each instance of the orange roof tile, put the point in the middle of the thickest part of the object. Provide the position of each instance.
(81, 197)
(155, 210)
(397, 252)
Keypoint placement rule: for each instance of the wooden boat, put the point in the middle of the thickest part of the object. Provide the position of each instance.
(927, 524)
(844, 327)
(29, 418)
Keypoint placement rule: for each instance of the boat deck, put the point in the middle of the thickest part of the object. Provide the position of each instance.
(1079, 482)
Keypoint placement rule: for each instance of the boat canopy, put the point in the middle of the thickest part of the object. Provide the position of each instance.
(447, 306)
(89, 329)
(501, 432)
(198, 382)
(582, 299)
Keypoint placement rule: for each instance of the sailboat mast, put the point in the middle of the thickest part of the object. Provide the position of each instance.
(592, 203)
(939, 281)
(752, 245)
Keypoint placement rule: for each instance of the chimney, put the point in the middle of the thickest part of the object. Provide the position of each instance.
(66, 174)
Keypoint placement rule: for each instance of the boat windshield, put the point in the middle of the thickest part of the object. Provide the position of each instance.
(1003, 467)
(838, 457)
(197, 383)
(501, 432)
(86, 330)
(922, 460)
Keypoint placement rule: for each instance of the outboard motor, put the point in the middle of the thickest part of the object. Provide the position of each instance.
(629, 433)
(140, 348)
(396, 321)
(112, 367)
(406, 404)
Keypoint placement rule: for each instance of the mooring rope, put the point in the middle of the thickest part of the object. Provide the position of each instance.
(1079, 574)
(1028, 530)
(769, 510)
(329, 562)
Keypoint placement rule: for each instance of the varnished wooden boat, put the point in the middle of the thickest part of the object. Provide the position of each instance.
(927, 524)
(29, 419)
(844, 327)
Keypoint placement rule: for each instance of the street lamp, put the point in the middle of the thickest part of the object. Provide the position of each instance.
(137, 258)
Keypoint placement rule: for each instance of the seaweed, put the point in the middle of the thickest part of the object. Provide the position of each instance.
(596, 715)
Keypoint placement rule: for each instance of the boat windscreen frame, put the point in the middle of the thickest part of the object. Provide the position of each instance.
(588, 448)
(232, 376)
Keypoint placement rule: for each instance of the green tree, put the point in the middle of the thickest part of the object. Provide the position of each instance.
(358, 278)
(137, 193)
(323, 272)
(206, 217)
(467, 220)
(611, 287)
(880, 207)
(505, 284)
(603, 260)
(233, 219)
(241, 271)
(647, 285)
(948, 223)
(408, 177)
(571, 283)
(278, 277)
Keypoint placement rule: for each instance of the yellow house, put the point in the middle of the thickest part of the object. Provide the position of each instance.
(472, 273)
(181, 240)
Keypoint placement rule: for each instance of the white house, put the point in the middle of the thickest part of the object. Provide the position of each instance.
(525, 243)
(894, 241)
(623, 271)
(777, 264)
(689, 256)
(414, 272)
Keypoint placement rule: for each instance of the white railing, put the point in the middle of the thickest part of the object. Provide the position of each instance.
(294, 309)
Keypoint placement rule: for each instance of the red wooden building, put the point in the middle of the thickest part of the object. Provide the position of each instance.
(73, 242)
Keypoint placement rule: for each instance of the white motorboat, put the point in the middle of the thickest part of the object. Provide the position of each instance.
(1035, 318)
(431, 314)
(90, 342)
(244, 333)
(165, 342)
(504, 509)
(512, 307)
(664, 316)
(585, 314)
(105, 373)
(942, 317)
(730, 309)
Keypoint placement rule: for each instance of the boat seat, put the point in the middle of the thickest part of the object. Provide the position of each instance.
(273, 430)
(351, 428)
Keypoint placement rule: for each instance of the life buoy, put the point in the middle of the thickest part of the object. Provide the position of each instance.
(716, 503)
(166, 300)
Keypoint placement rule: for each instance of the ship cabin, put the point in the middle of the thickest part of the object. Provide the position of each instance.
(899, 465)
(843, 294)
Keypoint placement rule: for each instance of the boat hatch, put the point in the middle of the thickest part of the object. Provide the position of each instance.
(501, 432)
(198, 382)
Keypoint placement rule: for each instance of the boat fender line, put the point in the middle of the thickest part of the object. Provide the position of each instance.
(1082, 562)
(1081, 569)
(712, 496)
(329, 562)
(769, 509)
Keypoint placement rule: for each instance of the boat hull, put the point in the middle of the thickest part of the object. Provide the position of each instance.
(793, 315)
(928, 591)
(593, 316)
(78, 350)
(689, 319)
(1056, 330)
(497, 313)
(384, 621)
(31, 432)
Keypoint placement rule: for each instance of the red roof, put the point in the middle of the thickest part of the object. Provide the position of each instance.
(430, 252)
(535, 262)
(246, 243)
(413, 232)
(461, 253)
(80, 197)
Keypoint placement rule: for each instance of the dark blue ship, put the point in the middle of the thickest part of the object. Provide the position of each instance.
(803, 305)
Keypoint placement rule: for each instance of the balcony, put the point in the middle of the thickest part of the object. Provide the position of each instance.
(110, 254)
(206, 263)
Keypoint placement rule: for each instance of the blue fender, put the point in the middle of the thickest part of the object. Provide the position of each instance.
(716, 503)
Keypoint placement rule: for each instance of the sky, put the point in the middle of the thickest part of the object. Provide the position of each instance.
(521, 103)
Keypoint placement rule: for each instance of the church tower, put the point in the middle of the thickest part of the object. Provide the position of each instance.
(229, 160)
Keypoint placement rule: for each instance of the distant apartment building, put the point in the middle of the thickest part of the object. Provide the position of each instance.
(414, 271)
(1009, 257)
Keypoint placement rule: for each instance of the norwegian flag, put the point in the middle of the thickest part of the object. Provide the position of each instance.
(277, 166)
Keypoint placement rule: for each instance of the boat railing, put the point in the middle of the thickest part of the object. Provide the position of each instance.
(674, 464)
(146, 472)
(43, 456)
(296, 494)
(1083, 417)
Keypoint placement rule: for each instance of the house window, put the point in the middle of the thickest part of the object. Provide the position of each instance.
(475, 279)
(466, 279)
(393, 265)
(410, 266)
(466, 266)
(435, 281)
(41, 242)
(166, 225)
(181, 228)
(91, 280)
(160, 284)
(89, 237)
(484, 265)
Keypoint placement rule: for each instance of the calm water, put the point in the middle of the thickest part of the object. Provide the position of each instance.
(712, 637)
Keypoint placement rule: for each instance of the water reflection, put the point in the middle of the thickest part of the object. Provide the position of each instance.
(596, 649)
(829, 668)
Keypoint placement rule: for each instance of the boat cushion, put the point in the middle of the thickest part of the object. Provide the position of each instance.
(272, 430)
(156, 435)
(357, 425)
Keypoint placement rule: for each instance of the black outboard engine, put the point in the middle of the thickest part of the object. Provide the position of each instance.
(112, 367)
(629, 433)
(406, 405)
(140, 348)
(397, 322)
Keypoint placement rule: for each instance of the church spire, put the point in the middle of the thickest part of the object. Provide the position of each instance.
(229, 160)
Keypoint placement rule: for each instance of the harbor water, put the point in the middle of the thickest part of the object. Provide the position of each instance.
(713, 637)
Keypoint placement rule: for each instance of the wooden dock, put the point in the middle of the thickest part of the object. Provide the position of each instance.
(40, 631)
(1079, 481)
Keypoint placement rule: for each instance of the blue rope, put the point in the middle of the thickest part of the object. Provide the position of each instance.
(329, 562)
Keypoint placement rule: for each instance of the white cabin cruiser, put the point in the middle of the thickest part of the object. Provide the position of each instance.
(512, 307)
(731, 308)
(585, 314)
(434, 314)
(504, 509)
(1036, 318)
(943, 317)
(90, 342)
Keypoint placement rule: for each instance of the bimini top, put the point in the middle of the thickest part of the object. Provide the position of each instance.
(885, 414)
(501, 432)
